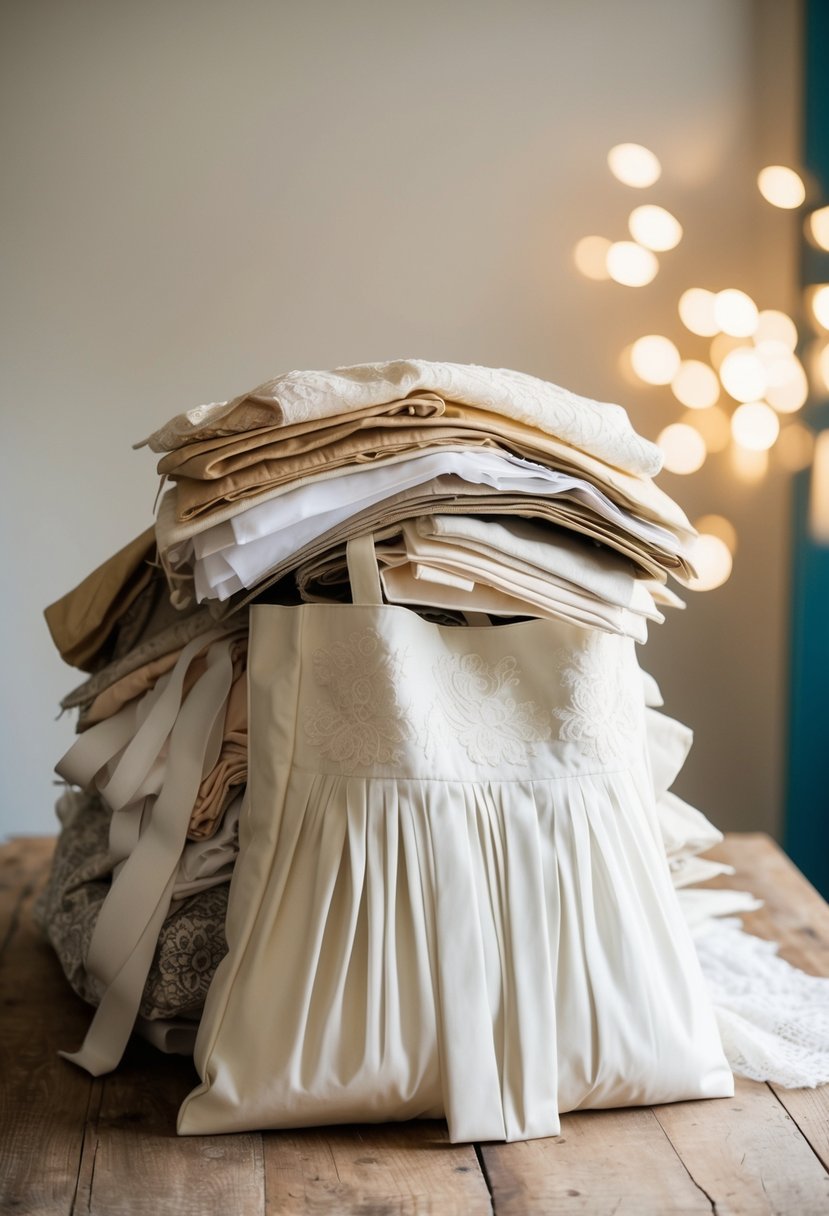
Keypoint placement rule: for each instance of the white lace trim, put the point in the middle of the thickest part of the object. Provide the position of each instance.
(773, 1019)
(601, 716)
(361, 720)
(476, 701)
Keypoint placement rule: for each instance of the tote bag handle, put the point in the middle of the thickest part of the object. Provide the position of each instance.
(363, 572)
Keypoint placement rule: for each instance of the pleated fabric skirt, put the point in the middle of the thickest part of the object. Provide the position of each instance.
(495, 952)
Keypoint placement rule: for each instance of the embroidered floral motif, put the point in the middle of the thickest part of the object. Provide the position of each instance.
(360, 721)
(600, 717)
(477, 700)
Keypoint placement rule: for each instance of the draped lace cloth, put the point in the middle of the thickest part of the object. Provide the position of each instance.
(451, 895)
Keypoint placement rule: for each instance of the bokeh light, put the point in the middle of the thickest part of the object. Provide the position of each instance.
(634, 165)
(735, 313)
(819, 301)
(817, 227)
(696, 311)
(631, 264)
(723, 345)
(781, 186)
(714, 424)
(776, 326)
(683, 448)
(789, 391)
(655, 228)
(695, 385)
(654, 359)
(743, 375)
(795, 447)
(590, 256)
(755, 426)
(713, 562)
(719, 526)
(748, 466)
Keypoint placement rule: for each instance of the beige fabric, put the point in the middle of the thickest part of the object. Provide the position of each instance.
(130, 686)
(601, 429)
(81, 621)
(635, 493)
(167, 641)
(172, 744)
(253, 469)
(214, 458)
(451, 895)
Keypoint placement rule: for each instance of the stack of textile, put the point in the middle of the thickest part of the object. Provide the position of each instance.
(469, 498)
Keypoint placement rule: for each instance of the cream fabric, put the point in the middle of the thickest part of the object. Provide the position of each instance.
(503, 568)
(451, 894)
(262, 461)
(147, 762)
(600, 429)
(242, 551)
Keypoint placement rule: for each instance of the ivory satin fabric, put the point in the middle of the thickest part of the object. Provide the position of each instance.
(451, 895)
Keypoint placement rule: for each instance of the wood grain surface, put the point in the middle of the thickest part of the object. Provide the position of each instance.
(71, 1144)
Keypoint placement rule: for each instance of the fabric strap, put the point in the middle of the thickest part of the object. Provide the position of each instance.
(363, 573)
(126, 933)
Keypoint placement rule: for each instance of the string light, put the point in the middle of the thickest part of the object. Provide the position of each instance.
(655, 228)
(590, 256)
(790, 391)
(776, 326)
(631, 264)
(654, 359)
(696, 311)
(723, 345)
(781, 186)
(743, 375)
(735, 313)
(683, 448)
(755, 426)
(695, 385)
(712, 559)
(819, 300)
(817, 227)
(634, 165)
(719, 526)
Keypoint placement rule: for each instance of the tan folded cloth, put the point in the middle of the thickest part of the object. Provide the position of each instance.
(458, 497)
(82, 621)
(133, 684)
(217, 479)
(230, 772)
(601, 429)
(223, 454)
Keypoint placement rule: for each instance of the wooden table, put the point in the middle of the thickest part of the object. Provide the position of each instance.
(70, 1143)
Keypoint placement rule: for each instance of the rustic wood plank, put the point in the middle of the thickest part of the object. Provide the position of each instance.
(43, 1101)
(135, 1165)
(747, 1154)
(613, 1161)
(407, 1169)
(797, 917)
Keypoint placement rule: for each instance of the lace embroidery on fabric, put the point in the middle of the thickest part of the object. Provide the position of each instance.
(360, 720)
(191, 943)
(476, 699)
(600, 717)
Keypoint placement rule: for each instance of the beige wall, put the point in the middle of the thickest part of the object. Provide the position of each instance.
(197, 195)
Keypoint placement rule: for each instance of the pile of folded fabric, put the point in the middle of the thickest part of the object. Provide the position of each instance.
(383, 520)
